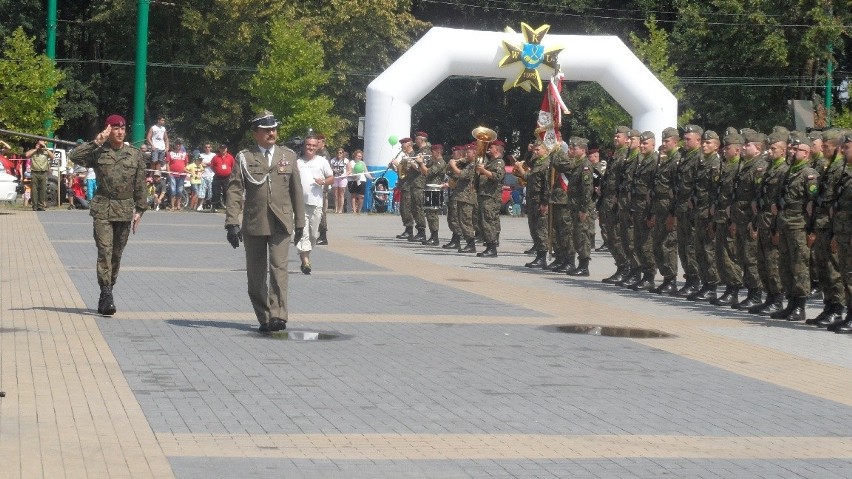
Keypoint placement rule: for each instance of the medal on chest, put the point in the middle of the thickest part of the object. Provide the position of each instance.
(282, 166)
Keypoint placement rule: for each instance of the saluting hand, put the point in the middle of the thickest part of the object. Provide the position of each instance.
(103, 136)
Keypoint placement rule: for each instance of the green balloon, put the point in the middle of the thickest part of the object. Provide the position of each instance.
(393, 140)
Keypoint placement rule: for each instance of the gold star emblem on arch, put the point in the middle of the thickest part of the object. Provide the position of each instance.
(531, 54)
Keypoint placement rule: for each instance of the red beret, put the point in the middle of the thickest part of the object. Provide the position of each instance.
(405, 140)
(458, 148)
(470, 146)
(114, 120)
(438, 147)
(422, 133)
(498, 143)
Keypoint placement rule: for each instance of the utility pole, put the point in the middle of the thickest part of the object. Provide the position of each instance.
(50, 52)
(829, 86)
(137, 133)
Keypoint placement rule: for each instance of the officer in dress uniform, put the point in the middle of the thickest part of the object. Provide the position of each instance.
(119, 201)
(266, 188)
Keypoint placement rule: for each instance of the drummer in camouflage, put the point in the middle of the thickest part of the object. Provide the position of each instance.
(435, 168)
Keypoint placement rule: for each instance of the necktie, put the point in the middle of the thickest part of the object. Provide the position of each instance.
(268, 158)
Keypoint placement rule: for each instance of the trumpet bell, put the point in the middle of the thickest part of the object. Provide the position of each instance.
(482, 133)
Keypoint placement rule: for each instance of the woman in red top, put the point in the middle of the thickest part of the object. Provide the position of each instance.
(176, 166)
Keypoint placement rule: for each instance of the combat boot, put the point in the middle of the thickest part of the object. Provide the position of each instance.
(582, 269)
(617, 276)
(568, 265)
(706, 293)
(454, 242)
(728, 298)
(846, 326)
(637, 279)
(646, 284)
(407, 234)
(489, 252)
(791, 303)
(773, 304)
(557, 261)
(798, 312)
(753, 299)
(420, 236)
(106, 306)
(539, 261)
(470, 247)
(690, 288)
(667, 287)
(826, 310)
(433, 239)
(833, 319)
(634, 276)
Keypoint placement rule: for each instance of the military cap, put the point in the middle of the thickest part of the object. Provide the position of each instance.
(730, 131)
(710, 135)
(437, 147)
(799, 138)
(751, 136)
(693, 129)
(743, 131)
(265, 119)
(579, 142)
(733, 139)
(422, 133)
(780, 129)
(458, 148)
(633, 133)
(647, 135)
(114, 120)
(815, 134)
(671, 133)
(498, 142)
(777, 136)
(470, 146)
(833, 135)
(847, 138)
(405, 140)
(622, 129)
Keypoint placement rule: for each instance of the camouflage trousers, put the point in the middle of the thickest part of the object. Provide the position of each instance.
(414, 207)
(466, 219)
(489, 212)
(432, 219)
(609, 217)
(686, 244)
(794, 261)
(747, 257)
(582, 233)
(705, 249)
(452, 216)
(563, 237)
(827, 266)
(727, 262)
(767, 262)
(110, 239)
(643, 247)
(844, 248)
(665, 245)
(537, 223)
(625, 234)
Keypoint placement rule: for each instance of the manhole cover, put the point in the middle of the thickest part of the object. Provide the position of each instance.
(303, 335)
(614, 331)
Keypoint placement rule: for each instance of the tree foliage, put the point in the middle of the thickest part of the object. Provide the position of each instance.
(25, 104)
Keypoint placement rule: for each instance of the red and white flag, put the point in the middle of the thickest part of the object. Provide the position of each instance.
(550, 119)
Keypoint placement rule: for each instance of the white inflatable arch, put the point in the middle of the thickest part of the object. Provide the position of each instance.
(443, 52)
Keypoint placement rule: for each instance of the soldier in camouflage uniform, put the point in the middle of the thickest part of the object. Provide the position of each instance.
(560, 215)
(662, 220)
(119, 202)
(452, 204)
(465, 195)
(707, 173)
(435, 169)
(826, 261)
(423, 150)
(625, 214)
(819, 162)
(765, 229)
(727, 263)
(609, 202)
(580, 204)
(683, 208)
(641, 186)
(841, 228)
(490, 193)
(797, 195)
(536, 176)
(403, 184)
(742, 216)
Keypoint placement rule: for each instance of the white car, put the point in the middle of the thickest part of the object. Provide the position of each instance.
(8, 187)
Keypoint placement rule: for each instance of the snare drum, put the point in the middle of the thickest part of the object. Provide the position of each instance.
(433, 198)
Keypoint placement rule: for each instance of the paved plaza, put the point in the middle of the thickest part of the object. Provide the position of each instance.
(443, 365)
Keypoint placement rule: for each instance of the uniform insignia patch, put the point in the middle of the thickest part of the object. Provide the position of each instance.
(813, 189)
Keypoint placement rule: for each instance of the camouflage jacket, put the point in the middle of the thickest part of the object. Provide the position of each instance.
(747, 191)
(121, 180)
(492, 187)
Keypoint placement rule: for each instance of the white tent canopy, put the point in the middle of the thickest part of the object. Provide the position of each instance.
(445, 52)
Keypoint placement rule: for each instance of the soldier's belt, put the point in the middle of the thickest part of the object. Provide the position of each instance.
(116, 195)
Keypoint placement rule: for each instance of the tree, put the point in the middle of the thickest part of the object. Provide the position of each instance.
(27, 77)
(289, 80)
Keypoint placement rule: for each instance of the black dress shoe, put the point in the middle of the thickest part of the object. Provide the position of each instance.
(277, 324)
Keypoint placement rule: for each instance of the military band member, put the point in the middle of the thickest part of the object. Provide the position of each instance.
(609, 204)
(825, 261)
(743, 212)
(841, 229)
(536, 175)
(435, 169)
(767, 224)
(465, 195)
(683, 209)
(727, 263)
(490, 192)
(662, 220)
(452, 203)
(797, 195)
(402, 165)
(580, 203)
(119, 202)
(641, 185)
(418, 183)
